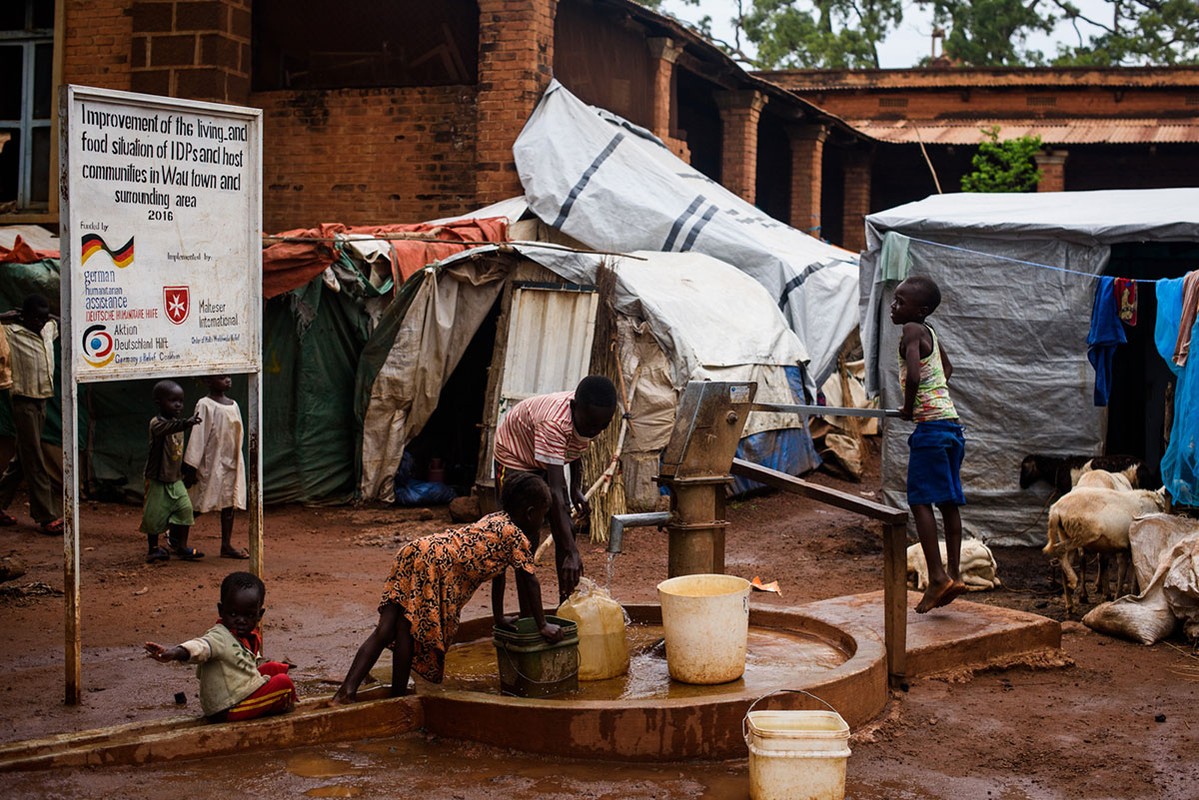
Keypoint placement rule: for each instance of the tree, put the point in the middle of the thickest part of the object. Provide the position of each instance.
(836, 34)
(846, 33)
(993, 32)
(1006, 166)
(1140, 32)
(990, 32)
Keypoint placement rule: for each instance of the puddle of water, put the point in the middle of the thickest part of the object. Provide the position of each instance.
(335, 790)
(772, 660)
(308, 765)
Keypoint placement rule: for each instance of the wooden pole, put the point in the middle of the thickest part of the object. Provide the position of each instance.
(895, 601)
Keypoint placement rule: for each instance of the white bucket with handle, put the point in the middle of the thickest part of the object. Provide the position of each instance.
(796, 755)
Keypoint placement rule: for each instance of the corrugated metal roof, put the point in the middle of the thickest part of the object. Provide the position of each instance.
(1058, 132)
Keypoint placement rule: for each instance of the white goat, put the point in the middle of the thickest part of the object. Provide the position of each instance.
(1088, 477)
(1096, 520)
(1102, 479)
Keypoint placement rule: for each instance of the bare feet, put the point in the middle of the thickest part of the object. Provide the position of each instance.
(340, 699)
(936, 595)
(956, 589)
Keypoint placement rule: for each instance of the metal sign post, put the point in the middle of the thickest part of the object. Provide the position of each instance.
(161, 226)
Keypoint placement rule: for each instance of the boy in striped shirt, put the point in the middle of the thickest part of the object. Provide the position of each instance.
(543, 434)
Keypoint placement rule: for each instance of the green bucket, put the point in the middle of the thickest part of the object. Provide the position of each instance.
(532, 667)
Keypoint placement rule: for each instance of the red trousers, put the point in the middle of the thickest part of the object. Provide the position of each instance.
(276, 695)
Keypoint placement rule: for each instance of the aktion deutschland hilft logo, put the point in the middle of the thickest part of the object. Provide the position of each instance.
(92, 243)
(98, 349)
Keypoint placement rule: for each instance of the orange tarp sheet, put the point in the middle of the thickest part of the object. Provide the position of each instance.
(287, 265)
(22, 253)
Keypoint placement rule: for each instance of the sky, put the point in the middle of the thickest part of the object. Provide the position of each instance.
(905, 46)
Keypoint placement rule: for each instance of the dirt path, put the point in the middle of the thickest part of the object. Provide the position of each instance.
(1123, 722)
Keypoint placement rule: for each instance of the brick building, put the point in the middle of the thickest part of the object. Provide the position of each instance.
(400, 112)
(1128, 128)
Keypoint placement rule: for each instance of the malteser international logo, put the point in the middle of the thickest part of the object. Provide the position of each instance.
(92, 243)
(98, 349)
(178, 303)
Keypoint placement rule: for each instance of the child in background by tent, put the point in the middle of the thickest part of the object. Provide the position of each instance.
(433, 578)
(236, 683)
(214, 454)
(166, 506)
(937, 445)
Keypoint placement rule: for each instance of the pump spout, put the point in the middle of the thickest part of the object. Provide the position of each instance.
(622, 521)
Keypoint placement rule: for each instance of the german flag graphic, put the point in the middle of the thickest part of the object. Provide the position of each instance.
(93, 243)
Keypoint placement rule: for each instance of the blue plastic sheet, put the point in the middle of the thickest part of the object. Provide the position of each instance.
(1180, 464)
(790, 451)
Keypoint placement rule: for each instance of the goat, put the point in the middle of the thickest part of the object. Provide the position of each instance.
(1096, 520)
(1062, 472)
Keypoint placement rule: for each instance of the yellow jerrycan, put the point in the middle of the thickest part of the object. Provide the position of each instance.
(603, 650)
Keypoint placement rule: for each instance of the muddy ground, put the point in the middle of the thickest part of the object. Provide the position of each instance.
(1121, 722)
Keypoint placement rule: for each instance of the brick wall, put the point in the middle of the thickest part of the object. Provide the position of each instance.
(197, 49)
(857, 199)
(740, 111)
(96, 43)
(516, 56)
(364, 156)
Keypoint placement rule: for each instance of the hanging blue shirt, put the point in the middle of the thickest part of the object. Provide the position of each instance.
(1106, 333)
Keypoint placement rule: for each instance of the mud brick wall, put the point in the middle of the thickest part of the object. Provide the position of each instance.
(365, 156)
(96, 43)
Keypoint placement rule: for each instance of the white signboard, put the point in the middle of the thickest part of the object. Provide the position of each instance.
(162, 236)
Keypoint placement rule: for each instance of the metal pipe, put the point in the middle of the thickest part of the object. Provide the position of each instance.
(622, 521)
(809, 410)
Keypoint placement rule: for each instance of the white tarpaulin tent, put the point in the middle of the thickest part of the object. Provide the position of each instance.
(614, 186)
(705, 319)
(1016, 276)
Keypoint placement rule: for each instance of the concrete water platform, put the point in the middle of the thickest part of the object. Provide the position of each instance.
(655, 726)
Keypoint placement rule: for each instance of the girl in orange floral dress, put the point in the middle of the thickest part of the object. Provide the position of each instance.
(433, 578)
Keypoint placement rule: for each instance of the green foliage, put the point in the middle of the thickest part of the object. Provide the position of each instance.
(845, 34)
(835, 34)
(1163, 32)
(1006, 166)
(990, 32)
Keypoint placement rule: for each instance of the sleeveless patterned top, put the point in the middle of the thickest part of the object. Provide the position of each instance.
(932, 395)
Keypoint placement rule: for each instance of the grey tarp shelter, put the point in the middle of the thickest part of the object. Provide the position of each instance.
(1014, 317)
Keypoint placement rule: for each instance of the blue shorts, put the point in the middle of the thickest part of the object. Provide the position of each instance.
(935, 464)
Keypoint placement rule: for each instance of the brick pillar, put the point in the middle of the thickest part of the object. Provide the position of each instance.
(857, 199)
(516, 57)
(807, 164)
(1053, 170)
(740, 111)
(665, 53)
(199, 49)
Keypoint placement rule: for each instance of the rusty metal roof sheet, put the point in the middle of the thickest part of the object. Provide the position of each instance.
(1051, 131)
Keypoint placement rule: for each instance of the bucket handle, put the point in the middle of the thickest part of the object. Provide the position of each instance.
(745, 719)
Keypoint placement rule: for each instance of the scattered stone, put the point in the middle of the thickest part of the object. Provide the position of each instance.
(426, 515)
(1160, 718)
(10, 568)
(465, 509)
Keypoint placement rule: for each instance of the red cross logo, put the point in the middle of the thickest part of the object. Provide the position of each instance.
(178, 303)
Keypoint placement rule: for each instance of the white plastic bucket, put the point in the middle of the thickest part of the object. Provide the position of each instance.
(706, 620)
(796, 755)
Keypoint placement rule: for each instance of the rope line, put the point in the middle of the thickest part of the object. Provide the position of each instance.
(1091, 275)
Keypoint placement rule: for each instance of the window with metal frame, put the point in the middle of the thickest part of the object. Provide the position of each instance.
(26, 100)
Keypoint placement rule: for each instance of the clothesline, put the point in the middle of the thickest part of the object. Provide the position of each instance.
(1092, 275)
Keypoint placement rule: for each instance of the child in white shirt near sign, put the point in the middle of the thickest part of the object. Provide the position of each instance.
(214, 455)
